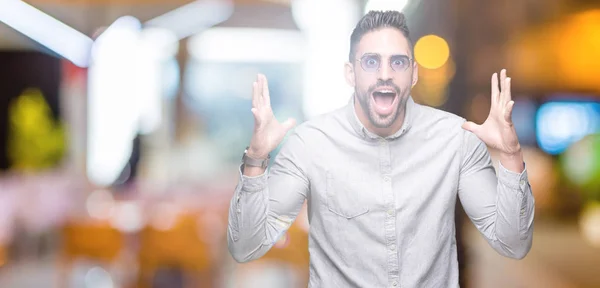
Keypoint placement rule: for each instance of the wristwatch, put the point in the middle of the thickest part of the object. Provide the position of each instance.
(247, 160)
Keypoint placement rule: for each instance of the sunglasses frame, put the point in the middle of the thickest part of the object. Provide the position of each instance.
(360, 60)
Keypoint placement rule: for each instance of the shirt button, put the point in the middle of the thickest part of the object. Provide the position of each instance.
(393, 247)
(395, 283)
(386, 178)
(522, 182)
(239, 211)
(390, 212)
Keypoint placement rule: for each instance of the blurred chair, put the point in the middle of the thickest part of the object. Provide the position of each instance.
(292, 249)
(3, 255)
(285, 265)
(92, 240)
(176, 246)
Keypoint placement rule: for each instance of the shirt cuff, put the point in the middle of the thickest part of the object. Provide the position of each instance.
(512, 179)
(253, 183)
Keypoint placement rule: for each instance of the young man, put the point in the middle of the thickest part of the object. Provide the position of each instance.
(382, 175)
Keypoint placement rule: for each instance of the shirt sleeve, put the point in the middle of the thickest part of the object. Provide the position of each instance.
(265, 206)
(501, 205)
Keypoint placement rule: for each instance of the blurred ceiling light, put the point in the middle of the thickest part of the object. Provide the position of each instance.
(191, 18)
(247, 45)
(325, 88)
(160, 43)
(432, 51)
(156, 47)
(126, 85)
(113, 106)
(46, 30)
(384, 5)
(124, 28)
(313, 16)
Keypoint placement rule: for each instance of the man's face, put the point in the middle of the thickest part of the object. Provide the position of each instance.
(382, 74)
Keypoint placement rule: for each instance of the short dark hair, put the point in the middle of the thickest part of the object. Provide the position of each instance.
(375, 20)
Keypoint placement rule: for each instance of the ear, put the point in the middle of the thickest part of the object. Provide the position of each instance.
(349, 74)
(415, 76)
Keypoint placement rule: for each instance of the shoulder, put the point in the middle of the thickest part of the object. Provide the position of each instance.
(433, 119)
(436, 123)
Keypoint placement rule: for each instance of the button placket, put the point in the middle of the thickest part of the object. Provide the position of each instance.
(389, 203)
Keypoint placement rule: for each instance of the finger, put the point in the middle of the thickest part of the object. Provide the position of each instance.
(507, 91)
(255, 95)
(508, 111)
(502, 79)
(470, 126)
(502, 86)
(289, 124)
(259, 84)
(256, 117)
(265, 92)
(495, 92)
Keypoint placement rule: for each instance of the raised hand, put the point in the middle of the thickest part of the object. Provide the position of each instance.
(268, 132)
(498, 130)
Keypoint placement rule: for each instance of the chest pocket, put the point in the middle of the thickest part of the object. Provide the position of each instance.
(345, 196)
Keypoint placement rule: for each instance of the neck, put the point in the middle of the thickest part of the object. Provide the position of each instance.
(363, 117)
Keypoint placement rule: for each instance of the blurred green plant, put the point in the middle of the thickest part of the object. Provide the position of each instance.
(35, 140)
(581, 166)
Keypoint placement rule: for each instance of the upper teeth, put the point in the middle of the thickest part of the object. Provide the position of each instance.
(385, 91)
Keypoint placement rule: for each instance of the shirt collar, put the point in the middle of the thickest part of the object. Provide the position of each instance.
(364, 133)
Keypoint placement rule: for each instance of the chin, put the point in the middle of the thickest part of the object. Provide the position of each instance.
(383, 121)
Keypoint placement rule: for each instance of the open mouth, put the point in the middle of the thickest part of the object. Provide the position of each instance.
(384, 99)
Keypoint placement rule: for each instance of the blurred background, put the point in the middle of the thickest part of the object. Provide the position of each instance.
(122, 124)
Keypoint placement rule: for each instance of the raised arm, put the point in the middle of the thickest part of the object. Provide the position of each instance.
(501, 206)
(266, 203)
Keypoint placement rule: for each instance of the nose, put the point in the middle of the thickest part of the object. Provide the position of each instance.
(385, 72)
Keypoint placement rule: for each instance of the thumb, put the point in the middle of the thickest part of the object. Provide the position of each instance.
(288, 124)
(470, 126)
(257, 119)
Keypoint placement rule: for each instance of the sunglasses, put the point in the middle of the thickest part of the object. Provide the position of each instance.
(371, 62)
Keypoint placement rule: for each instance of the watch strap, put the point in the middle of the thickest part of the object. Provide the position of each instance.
(247, 160)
